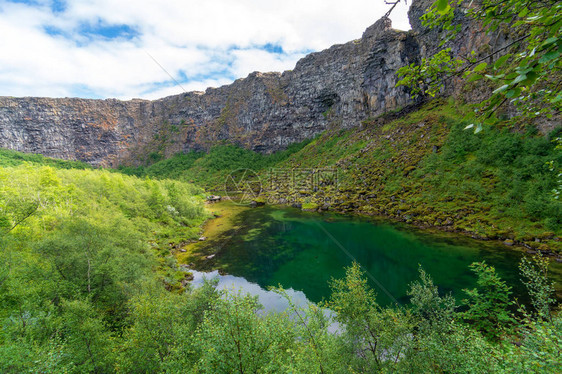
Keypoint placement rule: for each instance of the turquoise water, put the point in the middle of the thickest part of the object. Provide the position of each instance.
(304, 251)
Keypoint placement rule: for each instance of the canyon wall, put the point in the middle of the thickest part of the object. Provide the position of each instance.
(340, 86)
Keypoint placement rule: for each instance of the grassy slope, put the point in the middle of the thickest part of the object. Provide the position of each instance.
(421, 168)
(425, 169)
(208, 170)
(167, 213)
(80, 250)
(14, 158)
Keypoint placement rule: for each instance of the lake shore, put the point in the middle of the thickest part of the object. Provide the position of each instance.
(233, 226)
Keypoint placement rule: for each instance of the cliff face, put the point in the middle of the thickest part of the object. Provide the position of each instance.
(95, 131)
(340, 86)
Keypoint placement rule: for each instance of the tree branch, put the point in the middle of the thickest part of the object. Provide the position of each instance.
(24, 218)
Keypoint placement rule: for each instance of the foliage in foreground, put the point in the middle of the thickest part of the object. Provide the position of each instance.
(82, 291)
(525, 72)
(75, 250)
(88, 285)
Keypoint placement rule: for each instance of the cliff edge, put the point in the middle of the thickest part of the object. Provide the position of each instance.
(265, 112)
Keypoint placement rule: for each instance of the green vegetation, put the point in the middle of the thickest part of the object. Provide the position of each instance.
(82, 291)
(89, 281)
(77, 247)
(489, 305)
(208, 169)
(425, 169)
(524, 73)
(14, 158)
(505, 171)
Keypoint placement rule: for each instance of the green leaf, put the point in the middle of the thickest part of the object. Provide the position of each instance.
(555, 28)
(548, 41)
(549, 56)
(519, 78)
(531, 78)
(478, 128)
(492, 77)
(513, 92)
(442, 6)
(499, 63)
(480, 67)
(501, 89)
(474, 78)
(492, 102)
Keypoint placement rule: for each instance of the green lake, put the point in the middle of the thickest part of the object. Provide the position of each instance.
(271, 246)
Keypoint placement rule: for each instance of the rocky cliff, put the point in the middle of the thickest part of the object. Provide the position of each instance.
(340, 86)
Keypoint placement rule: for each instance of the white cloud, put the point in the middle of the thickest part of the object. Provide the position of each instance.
(247, 61)
(200, 43)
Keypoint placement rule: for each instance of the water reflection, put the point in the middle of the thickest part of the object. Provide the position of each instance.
(271, 301)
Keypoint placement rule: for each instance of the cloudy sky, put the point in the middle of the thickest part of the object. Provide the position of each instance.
(150, 48)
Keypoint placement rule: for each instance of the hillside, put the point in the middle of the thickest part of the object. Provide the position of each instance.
(421, 168)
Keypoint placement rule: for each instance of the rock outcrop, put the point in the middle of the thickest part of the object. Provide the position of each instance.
(266, 112)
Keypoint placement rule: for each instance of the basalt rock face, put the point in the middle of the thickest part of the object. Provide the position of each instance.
(266, 112)
(94, 131)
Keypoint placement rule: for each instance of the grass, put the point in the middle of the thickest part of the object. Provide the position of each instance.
(208, 169)
(13, 158)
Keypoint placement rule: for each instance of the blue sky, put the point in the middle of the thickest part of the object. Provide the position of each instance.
(141, 48)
